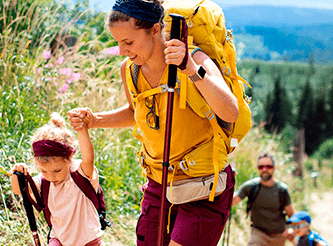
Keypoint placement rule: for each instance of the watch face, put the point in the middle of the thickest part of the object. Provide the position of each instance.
(198, 75)
(201, 72)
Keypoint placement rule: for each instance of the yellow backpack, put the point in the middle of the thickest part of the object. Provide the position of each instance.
(206, 29)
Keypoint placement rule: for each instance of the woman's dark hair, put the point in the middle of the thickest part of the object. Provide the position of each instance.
(116, 16)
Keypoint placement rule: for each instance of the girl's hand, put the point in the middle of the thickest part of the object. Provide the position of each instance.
(20, 167)
(80, 118)
(175, 52)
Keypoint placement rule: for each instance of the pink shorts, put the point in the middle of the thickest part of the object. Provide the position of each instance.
(95, 242)
(198, 223)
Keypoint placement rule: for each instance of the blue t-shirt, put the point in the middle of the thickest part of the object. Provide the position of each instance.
(310, 239)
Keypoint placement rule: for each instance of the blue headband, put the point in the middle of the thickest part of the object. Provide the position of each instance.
(140, 9)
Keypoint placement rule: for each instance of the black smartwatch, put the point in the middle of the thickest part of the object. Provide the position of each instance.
(200, 74)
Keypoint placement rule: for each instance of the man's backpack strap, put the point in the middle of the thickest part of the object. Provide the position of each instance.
(253, 195)
(282, 196)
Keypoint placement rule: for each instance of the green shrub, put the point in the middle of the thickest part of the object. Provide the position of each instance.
(325, 150)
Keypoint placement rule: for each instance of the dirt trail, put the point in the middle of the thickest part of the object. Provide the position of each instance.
(322, 221)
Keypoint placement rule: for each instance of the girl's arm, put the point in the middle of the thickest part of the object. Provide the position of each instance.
(118, 118)
(87, 150)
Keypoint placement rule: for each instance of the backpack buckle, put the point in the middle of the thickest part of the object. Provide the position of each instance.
(183, 165)
(226, 71)
(171, 168)
(210, 115)
(164, 87)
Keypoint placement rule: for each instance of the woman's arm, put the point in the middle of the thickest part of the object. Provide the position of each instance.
(118, 118)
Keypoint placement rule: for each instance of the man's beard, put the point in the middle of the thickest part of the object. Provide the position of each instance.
(265, 176)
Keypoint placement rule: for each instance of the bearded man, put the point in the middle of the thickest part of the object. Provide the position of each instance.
(269, 202)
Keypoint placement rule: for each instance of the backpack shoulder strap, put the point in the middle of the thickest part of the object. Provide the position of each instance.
(282, 195)
(38, 204)
(253, 194)
(45, 188)
(86, 187)
(135, 75)
(96, 198)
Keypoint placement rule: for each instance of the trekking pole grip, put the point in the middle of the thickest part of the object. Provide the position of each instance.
(175, 34)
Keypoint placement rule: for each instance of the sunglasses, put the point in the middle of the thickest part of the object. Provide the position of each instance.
(298, 226)
(152, 118)
(265, 166)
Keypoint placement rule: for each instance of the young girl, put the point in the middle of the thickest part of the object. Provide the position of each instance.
(74, 218)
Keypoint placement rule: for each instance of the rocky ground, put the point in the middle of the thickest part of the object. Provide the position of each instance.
(322, 221)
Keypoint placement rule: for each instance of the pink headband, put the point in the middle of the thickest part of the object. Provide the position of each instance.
(52, 148)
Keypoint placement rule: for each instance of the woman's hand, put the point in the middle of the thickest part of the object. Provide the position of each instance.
(80, 118)
(175, 52)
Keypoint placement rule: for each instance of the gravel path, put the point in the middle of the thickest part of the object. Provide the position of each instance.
(322, 220)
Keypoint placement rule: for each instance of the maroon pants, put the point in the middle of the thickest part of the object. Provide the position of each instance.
(198, 223)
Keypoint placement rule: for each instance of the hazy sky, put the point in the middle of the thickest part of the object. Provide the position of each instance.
(106, 5)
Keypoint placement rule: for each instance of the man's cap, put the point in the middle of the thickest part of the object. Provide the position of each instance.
(299, 216)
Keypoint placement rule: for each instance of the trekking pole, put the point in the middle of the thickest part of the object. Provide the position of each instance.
(28, 206)
(229, 226)
(172, 78)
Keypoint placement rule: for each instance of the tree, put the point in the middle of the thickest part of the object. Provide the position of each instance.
(313, 117)
(278, 111)
(329, 129)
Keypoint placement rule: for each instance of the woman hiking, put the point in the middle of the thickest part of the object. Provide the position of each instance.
(137, 26)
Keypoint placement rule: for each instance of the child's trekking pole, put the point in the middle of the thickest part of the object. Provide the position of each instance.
(172, 78)
(28, 206)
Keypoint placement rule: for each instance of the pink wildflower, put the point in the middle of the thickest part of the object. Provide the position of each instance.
(76, 76)
(64, 88)
(61, 60)
(39, 70)
(112, 51)
(49, 65)
(48, 79)
(66, 71)
(47, 54)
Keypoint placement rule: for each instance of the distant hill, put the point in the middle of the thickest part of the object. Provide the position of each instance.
(275, 33)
